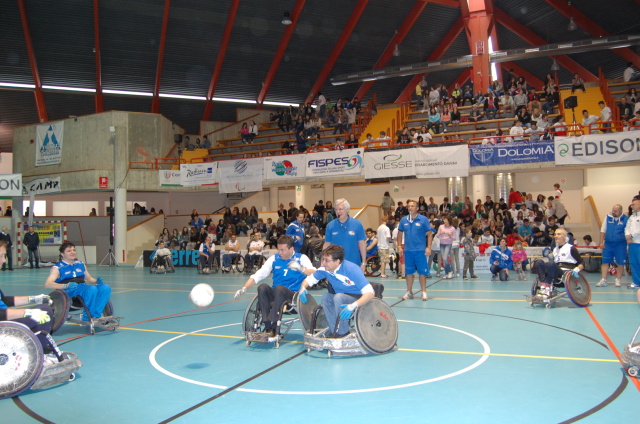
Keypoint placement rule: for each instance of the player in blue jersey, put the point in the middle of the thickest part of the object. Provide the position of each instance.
(418, 235)
(286, 281)
(296, 231)
(347, 232)
(348, 289)
(72, 276)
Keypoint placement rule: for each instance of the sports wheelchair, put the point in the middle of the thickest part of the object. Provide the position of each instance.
(215, 266)
(252, 321)
(67, 309)
(23, 364)
(373, 330)
(161, 265)
(258, 261)
(237, 263)
(373, 266)
(576, 289)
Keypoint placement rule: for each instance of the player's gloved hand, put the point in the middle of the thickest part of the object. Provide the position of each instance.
(295, 266)
(240, 293)
(38, 315)
(71, 286)
(99, 281)
(302, 295)
(347, 310)
(575, 272)
(40, 299)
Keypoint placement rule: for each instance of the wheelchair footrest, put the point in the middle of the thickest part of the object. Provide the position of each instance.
(54, 373)
(108, 323)
(261, 337)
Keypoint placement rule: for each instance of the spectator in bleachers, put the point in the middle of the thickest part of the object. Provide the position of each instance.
(589, 122)
(559, 127)
(369, 141)
(434, 96)
(253, 130)
(384, 139)
(577, 83)
(403, 136)
(479, 98)
(456, 94)
(424, 136)
(534, 132)
(496, 88)
(533, 100)
(632, 95)
(244, 133)
(516, 132)
(352, 141)
(467, 94)
(188, 144)
(434, 120)
(552, 101)
(285, 122)
(630, 73)
(508, 105)
(339, 144)
(252, 217)
(418, 93)
(626, 109)
(491, 106)
(445, 117)
(605, 116)
(543, 122)
(475, 115)
(520, 101)
(455, 118)
(301, 141)
(339, 120)
(350, 115)
(206, 144)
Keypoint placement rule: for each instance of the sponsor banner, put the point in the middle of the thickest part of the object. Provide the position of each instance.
(389, 164)
(49, 232)
(195, 174)
(511, 153)
(241, 175)
(11, 185)
(170, 178)
(598, 148)
(49, 143)
(440, 162)
(41, 186)
(334, 163)
(283, 167)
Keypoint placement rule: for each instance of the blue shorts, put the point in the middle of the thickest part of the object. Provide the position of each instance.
(416, 260)
(614, 253)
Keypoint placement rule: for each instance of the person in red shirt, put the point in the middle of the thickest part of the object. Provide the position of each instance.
(513, 237)
(515, 197)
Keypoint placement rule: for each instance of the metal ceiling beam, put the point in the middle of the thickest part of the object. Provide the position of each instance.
(224, 43)
(436, 54)
(337, 49)
(98, 97)
(592, 28)
(398, 37)
(282, 48)
(37, 92)
(155, 103)
(532, 38)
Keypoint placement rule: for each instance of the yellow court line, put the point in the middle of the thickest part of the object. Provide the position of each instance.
(453, 352)
(509, 355)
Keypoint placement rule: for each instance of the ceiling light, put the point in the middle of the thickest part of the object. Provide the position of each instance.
(396, 51)
(286, 20)
(554, 66)
(572, 25)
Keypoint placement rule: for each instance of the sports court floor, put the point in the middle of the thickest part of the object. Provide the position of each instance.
(476, 352)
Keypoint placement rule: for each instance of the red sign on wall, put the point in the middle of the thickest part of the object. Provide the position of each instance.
(103, 182)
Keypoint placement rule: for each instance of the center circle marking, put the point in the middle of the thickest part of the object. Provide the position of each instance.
(484, 356)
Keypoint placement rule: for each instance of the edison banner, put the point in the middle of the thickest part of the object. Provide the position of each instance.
(49, 143)
(334, 163)
(284, 167)
(196, 174)
(242, 175)
(598, 148)
(439, 162)
(389, 164)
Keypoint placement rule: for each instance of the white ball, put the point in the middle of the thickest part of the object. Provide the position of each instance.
(201, 295)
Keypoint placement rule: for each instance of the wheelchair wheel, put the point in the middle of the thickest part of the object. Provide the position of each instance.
(373, 267)
(199, 267)
(239, 263)
(318, 319)
(108, 309)
(21, 358)
(376, 326)
(252, 317)
(306, 310)
(578, 289)
(534, 286)
(215, 265)
(60, 306)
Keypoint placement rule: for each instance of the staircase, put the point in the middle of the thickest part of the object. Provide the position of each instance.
(588, 101)
(381, 122)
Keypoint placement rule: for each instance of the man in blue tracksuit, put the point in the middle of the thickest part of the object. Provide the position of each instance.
(500, 259)
(613, 244)
(296, 231)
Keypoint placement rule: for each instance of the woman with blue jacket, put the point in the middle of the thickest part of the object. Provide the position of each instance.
(500, 260)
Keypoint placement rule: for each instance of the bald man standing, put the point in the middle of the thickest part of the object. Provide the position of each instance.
(613, 244)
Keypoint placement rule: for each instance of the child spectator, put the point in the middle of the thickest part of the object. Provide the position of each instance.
(469, 255)
(519, 255)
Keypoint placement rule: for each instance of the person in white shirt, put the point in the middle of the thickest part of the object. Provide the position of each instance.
(254, 247)
(605, 116)
(384, 235)
(589, 121)
(383, 140)
(517, 132)
(630, 73)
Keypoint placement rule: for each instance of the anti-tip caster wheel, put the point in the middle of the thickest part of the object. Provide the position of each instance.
(308, 350)
(277, 344)
(248, 343)
(72, 376)
(329, 354)
(548, 306)
(633, 371)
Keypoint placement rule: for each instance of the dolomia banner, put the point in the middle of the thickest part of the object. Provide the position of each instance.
(598, 148)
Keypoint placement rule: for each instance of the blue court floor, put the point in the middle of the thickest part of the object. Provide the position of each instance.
(475, 352)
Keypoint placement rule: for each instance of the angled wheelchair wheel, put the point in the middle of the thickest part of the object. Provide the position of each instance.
(376, 326)
(534, 286)
(21, 358)
(318, 319)
(252, 317)
(239, 263)
(373, 267)
(60, 307)
(306, 310)
(215, 265)
(578, 289)
(108, 309)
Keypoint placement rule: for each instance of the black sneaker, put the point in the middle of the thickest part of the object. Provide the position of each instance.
(464, 277)
(475, 277)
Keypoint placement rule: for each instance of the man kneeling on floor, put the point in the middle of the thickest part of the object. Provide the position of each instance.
(348, 289)
(289, 270)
